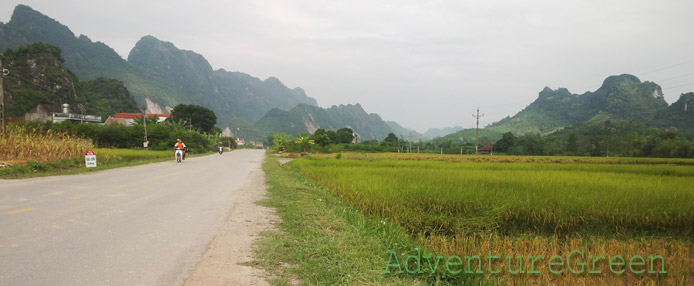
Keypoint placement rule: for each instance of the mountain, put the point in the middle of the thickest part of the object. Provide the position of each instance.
(402, 132)
(486, 136)
(228, 94)
(156, 72)
(38, 76)
(680, 114)
(306, 118)
(622, 97)
(439, 132)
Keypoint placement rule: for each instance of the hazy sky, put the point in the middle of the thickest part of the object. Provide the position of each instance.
(420, 63)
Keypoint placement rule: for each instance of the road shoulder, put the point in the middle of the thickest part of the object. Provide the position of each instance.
(228, 258)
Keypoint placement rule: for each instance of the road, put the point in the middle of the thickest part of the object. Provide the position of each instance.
(142, 225)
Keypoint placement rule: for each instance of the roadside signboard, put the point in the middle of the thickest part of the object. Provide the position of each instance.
(90, 159)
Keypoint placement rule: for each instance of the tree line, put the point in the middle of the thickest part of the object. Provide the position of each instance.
(194, 125)
(617, 138)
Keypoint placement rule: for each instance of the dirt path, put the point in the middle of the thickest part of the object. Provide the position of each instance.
(221, 264)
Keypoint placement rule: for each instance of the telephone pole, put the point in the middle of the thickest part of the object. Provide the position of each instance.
(477, 130)
(409, 150)
(144, 122)
(2, 97)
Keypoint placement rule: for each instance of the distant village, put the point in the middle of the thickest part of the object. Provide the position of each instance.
(56, 114)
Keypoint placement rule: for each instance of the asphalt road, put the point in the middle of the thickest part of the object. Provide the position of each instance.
(143, 225)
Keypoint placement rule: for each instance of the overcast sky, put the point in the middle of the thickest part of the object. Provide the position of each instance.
(420, 63)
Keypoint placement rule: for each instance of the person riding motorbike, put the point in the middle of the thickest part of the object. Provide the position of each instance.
(182, 146)
(221, 148)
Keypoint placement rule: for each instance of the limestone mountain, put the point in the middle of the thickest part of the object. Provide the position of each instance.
(622, 97)
(306, 118)
(156, 72)
(680, 114)
(439, 132)
(38, 76)
(406, 133)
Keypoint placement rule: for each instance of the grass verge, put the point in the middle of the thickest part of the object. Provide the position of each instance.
(323, 240)
(106, 159)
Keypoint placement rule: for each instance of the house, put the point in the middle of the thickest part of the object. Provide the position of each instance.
(127, 119)
(41, 112)
(46, 112)
(487, 149)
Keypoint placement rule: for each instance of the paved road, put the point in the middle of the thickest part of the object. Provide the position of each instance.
(143, 225)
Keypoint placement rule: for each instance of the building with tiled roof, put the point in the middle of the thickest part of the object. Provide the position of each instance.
(127, 119)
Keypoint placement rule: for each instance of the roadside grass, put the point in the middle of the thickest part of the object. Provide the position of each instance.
(323, 240)
(106, 159)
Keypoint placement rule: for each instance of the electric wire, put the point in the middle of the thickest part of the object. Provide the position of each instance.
(667, 67)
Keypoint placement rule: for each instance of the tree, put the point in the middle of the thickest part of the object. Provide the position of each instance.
(321, 137)
(391, 140)
(304, 140)
(506, 142)
(333, 136)
(345, 135)
(572, 144)
(194, 116)
(280, 140)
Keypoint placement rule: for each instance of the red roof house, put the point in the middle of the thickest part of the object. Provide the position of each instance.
(487, 149)
(127, 119)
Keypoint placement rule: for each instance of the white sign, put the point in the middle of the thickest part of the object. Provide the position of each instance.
(90, 159)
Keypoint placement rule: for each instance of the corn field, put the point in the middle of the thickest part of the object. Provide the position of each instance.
(21, 144)
(528, 206)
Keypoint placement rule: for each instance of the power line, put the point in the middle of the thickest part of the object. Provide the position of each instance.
(32, 83)
(686, 84)
(667, 67)
(595, 87)
(674, 77)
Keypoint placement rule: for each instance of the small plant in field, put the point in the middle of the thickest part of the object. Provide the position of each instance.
(304, 140)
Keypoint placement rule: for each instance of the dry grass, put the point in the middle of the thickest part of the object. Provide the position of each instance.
(509, 158)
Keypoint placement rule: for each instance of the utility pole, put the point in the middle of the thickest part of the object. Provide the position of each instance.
(477, 130)
(144, 122)
(2, 97)
(409, 150)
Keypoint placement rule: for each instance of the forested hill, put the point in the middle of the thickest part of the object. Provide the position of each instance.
(306, 118)
(37, 76)
(149, 77)
(621, 97)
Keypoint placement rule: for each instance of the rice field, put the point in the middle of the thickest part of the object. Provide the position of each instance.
(528, 205)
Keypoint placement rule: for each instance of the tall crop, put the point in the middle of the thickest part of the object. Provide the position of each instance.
(21, 143)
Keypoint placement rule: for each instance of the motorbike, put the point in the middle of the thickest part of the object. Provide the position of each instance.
(221, 150)
(179, 155)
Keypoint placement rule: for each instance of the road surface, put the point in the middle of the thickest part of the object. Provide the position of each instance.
(143, 225)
